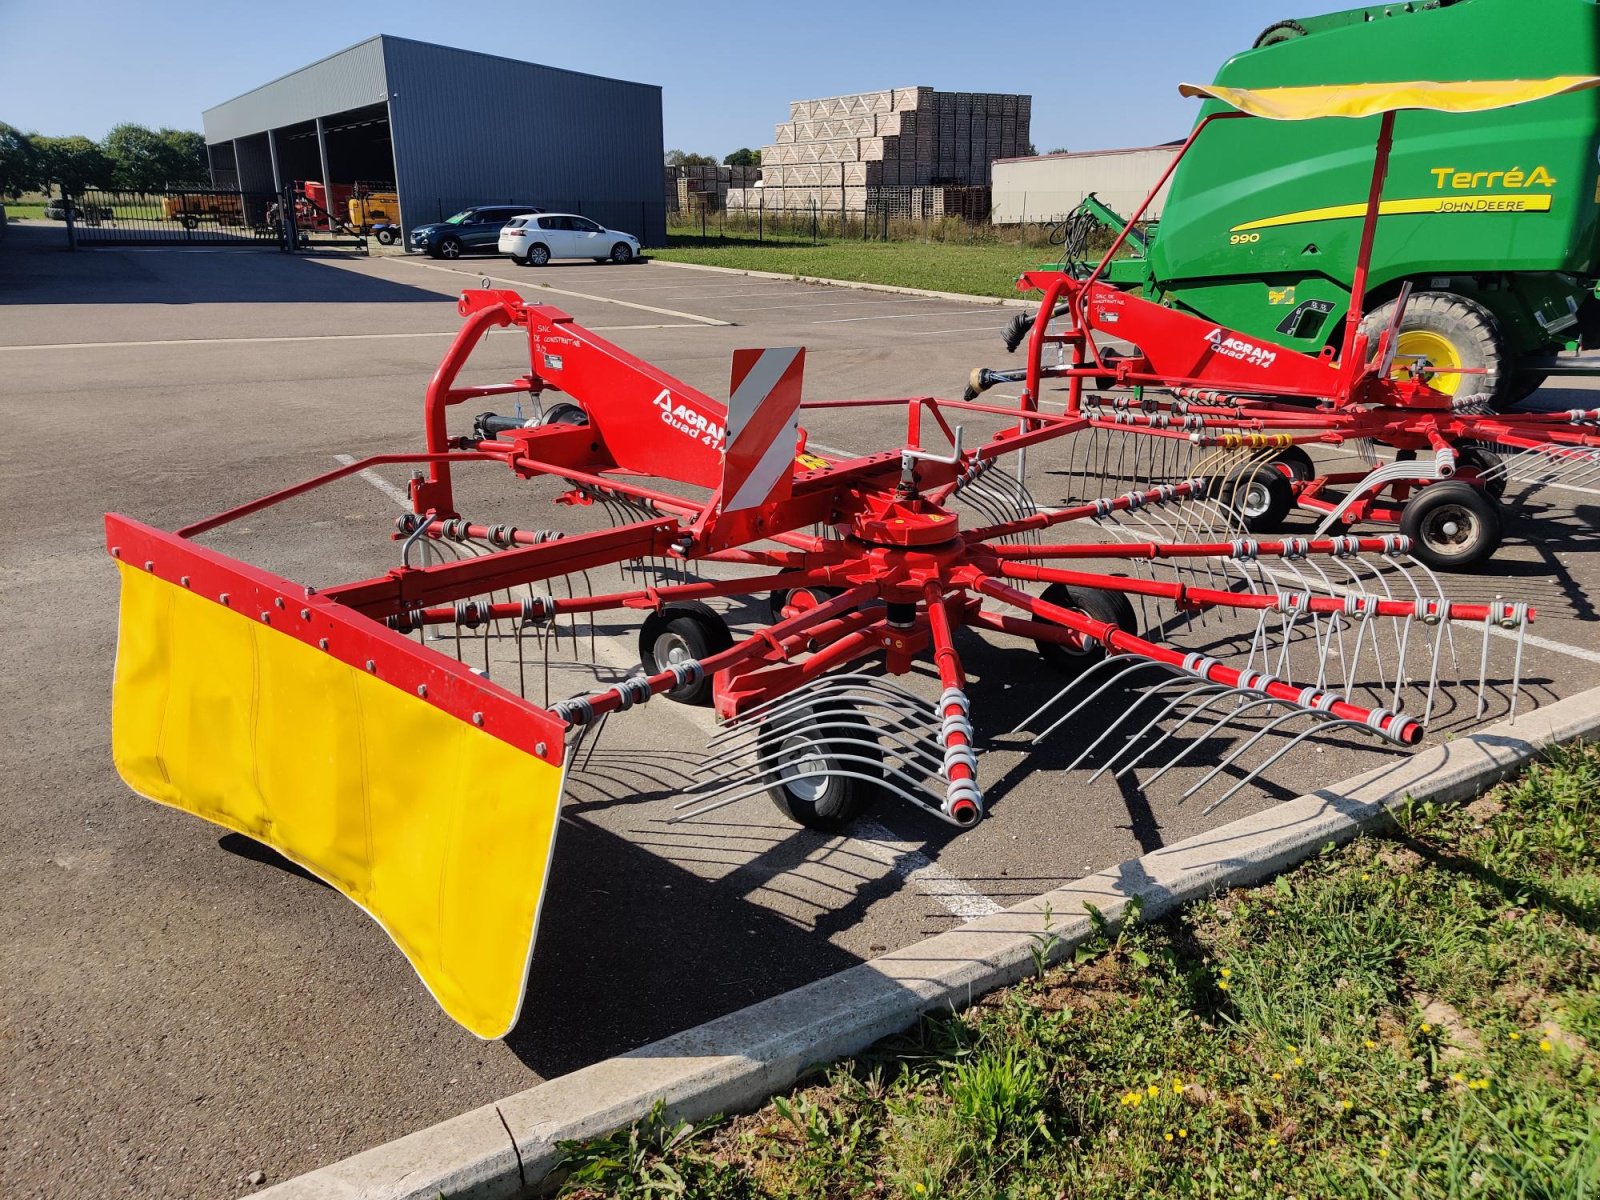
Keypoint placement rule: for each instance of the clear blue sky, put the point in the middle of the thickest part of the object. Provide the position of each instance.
(1101, 75)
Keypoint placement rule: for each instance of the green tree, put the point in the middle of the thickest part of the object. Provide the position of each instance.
(73, 162)
(743, 157)
(185, 157)
(19, 162)
(678, 158)
(139, 158)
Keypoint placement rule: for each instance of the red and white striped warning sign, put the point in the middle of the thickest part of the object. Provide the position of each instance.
(763, 409)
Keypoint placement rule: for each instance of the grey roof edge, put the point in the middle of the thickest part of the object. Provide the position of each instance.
(390, 37)
(1093, 153)
(521, 62)
(377, 37)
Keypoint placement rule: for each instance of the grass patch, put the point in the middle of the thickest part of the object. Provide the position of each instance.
(973, 270)
(1416, 1015)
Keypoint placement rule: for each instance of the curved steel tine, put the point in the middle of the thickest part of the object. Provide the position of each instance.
(763, 709)
(1119, 677)
(907, 748)
(927, 800)
(888, 773)
(1199, 688)
(1483, 663)
(1438, 594)
(1144, 694)
(1314, 728)
(904, 722)
(1237, 712)
(1191, 687)
(722, 782)
(1114, 661)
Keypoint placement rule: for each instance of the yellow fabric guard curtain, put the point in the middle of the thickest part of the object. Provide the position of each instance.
(1369, 99)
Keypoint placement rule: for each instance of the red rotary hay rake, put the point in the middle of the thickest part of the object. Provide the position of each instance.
(380, 732)
(1190, 388)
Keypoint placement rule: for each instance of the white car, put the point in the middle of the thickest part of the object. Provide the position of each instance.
(535, 239)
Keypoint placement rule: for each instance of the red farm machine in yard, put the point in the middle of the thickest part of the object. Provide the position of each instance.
(395, 735)
(1185, 385)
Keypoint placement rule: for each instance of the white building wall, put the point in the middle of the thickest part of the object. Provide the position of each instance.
(1052, 185)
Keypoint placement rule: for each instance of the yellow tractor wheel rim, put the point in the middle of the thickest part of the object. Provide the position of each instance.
(1423, 345)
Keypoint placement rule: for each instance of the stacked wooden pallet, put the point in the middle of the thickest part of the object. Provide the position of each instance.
(831, 153)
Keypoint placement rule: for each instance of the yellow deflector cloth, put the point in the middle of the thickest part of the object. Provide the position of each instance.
(1368, 99)
(439, 831)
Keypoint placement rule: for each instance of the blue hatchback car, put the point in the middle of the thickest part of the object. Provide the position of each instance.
(472, 230)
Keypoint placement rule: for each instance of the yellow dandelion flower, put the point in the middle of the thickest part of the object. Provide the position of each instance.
(1169, 1137)
(1154, 1089)
(1371, 1045)
(1426, 1028)
(1183, 1133)
(1459, 1077)
(1365, 877)
(1479, 1084)
(1222, 985)
(1544, 1044)
(1298, 1061)
(1347, 1105)
(1177, 1085)
(1383, 1152)
(1294, 1049)
(1516, 1036)
(1277, 1074)
(1227, 973)
(920, 1190)
(1272, 1141)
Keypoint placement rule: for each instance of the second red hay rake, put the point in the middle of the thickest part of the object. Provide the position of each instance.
(1190, 389)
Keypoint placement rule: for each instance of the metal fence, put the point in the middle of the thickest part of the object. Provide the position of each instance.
(927, 214)
(199, 217)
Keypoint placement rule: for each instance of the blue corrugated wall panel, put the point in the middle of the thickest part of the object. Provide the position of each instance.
(473, 128)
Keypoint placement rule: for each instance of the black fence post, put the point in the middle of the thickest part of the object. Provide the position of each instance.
(67, 203)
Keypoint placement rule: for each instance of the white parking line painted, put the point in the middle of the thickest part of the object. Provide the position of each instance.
(927, 876)
(829, 300)
(539, 288)
(988, 328)
(304, 337)
(394, 493)
(949, 312)
(878, 842)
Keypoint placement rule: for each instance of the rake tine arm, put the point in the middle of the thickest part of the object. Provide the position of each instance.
(653, 597)
(406, 588)
(1185, 596)
(1095, 508)
(963, 800)
(1239, 548)
(783, 638)
(1395, 726)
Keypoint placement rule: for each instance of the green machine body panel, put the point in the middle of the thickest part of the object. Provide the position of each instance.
(1263, 221)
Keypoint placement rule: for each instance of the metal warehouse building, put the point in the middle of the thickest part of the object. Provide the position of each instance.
(450, 128)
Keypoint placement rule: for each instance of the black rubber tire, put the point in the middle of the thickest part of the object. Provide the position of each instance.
(564, 413)
(833, 802)
(1262, 495)
(621, 253)
(538, 255)
(1112, 607)
(1297, 462)
(690, 628)
(776, 600)
(1470, 327)
(190, 222)
(385, 238)
(1428, 515)
(1281, 31)
(1480, 461)
(519, 260)
(450, 248)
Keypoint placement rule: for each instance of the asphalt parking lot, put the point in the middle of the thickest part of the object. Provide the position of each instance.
(182, 1010)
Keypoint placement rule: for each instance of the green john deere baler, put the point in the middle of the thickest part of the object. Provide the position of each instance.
(1495, 221)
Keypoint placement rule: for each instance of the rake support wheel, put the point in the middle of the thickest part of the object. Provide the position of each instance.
(827, 765)
(1452, 525)
(1110, 607)
(678, 633)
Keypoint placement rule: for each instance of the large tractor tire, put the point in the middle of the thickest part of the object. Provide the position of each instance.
(1283, 31)
(1449, 330)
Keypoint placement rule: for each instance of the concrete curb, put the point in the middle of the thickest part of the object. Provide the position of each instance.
(991, 301)
(737, 1061)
